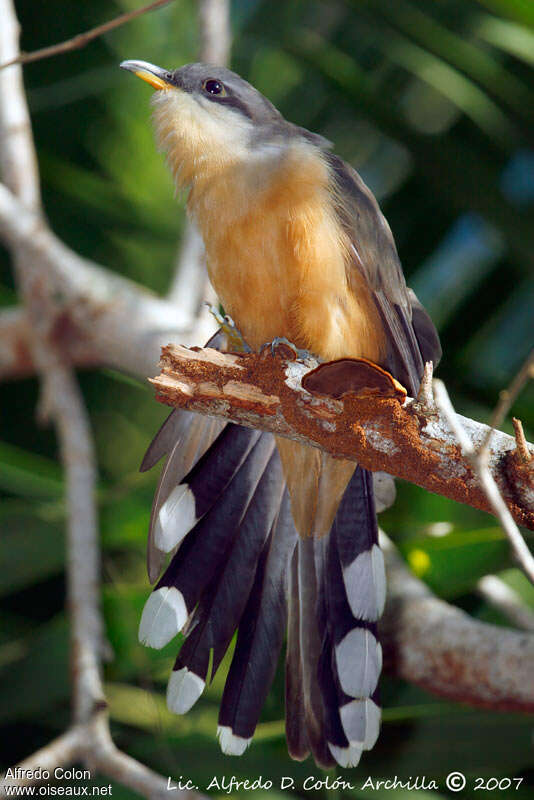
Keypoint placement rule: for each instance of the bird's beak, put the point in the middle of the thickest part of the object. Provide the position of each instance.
(155, 76)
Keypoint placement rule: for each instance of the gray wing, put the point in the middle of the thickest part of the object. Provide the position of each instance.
(412, 337)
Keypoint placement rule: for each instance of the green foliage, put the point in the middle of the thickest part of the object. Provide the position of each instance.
(433, 103)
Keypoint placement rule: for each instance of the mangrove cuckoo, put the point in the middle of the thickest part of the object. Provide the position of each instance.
(260, 530)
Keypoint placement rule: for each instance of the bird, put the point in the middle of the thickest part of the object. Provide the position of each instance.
(254, 533)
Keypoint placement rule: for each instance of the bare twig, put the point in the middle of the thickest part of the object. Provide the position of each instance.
(487, 481)
(81, 39)
(379, 432)
(425, 396)
(499, 595)
(506, 400)
(444, 650)
(521, 442)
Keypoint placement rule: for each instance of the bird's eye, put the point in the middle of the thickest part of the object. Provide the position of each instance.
(213, 86)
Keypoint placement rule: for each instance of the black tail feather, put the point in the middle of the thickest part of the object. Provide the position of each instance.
(223, 602)
(193, 437)
(204, 549)
(296, 733)
(198, 491)
(203, 553)
(311, 636)
(260, 635)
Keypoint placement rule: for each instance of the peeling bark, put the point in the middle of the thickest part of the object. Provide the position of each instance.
(408, 440)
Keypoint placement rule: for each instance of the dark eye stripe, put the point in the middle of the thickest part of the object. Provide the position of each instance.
(233, 102)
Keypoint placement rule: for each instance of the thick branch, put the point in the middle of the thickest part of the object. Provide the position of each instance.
(444, 650)
(107, 318)
(407, 440)
(62, 394)
(16, 358)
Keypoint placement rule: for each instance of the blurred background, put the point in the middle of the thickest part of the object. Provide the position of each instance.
(433, 103)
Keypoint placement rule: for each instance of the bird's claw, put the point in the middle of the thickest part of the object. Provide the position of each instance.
(284, 347)
(235, 340)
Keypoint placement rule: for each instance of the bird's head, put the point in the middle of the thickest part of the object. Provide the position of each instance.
(207, 117)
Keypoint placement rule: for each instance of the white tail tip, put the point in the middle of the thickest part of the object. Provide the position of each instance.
(231, 745)
(164, 615)
(361, 723)
(346, 756)
(183, 690)
(176, 517)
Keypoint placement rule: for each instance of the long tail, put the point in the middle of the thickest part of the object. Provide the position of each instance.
(222, 519)
(334, 659)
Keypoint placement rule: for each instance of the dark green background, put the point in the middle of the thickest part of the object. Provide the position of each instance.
(434, 103)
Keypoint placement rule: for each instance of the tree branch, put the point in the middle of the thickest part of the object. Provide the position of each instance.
(16, 358)
(478, 457)
(444, 650)
(507, 398)
(63, 401)
(522, 445)
(107, 759)
(81, 39)
(37, 255)
(406, 440)
(92, 743)
(97, 317)
(500, 596)
(102, 317)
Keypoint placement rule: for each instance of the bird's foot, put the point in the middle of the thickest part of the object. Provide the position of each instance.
(235, 340)
(282, 346)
